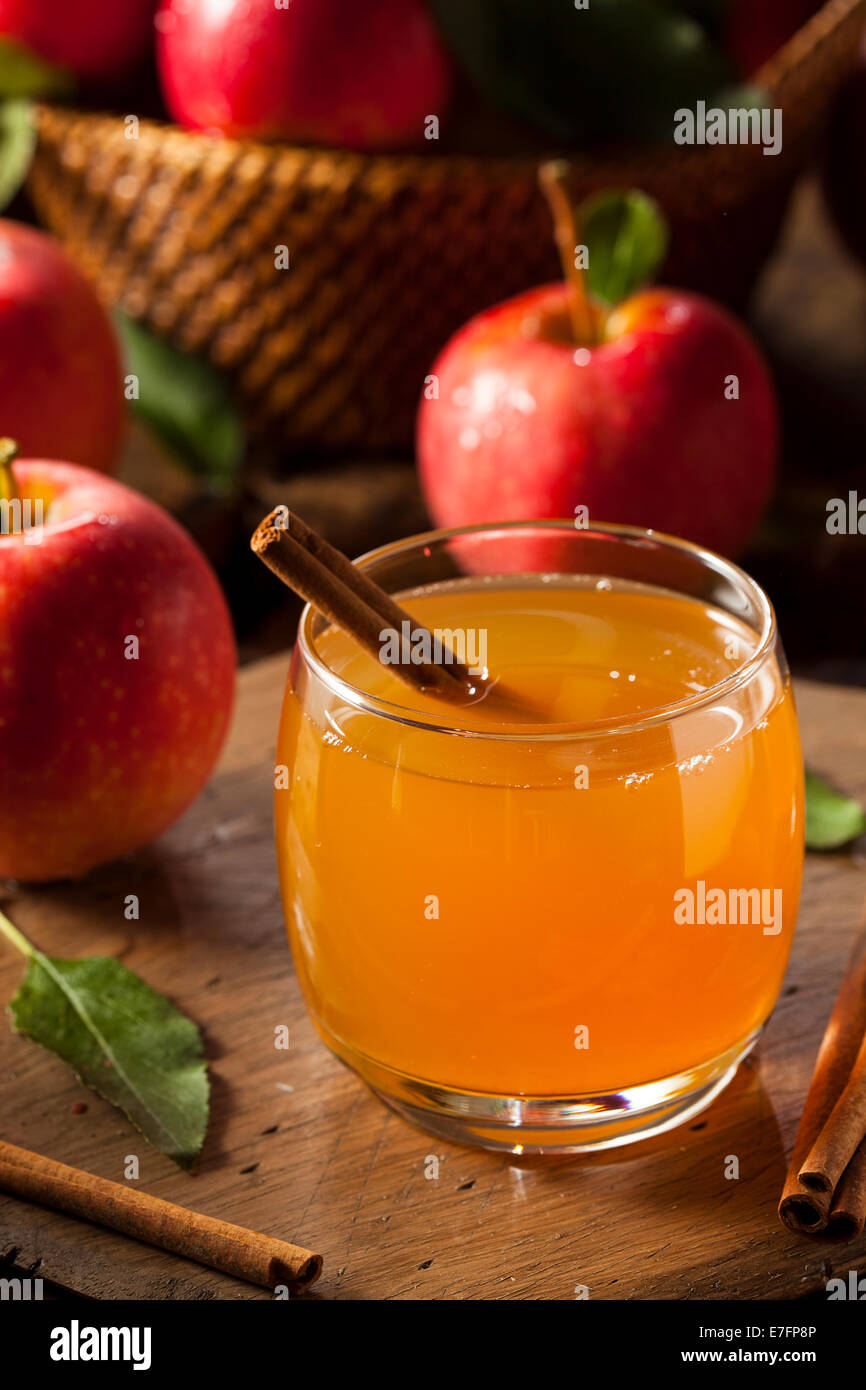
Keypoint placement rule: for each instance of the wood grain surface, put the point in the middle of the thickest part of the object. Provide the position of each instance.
(298, 1148)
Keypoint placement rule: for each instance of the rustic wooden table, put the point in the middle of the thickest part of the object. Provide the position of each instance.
(297, 1147)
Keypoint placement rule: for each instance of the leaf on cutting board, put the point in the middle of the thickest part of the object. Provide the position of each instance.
(615, 69)
(24, 74)
(627, 238)
(186, 403)
(831, 819)
(17, 143)
(122, 1039)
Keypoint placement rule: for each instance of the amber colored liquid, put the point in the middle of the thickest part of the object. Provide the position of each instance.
(460, 909)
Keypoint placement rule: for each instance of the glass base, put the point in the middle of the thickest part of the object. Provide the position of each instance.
(550, 1124)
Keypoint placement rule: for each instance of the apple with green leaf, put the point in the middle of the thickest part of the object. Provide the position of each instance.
(652, 408)
(117, 665)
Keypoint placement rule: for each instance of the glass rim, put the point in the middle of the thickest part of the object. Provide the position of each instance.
(525, 732)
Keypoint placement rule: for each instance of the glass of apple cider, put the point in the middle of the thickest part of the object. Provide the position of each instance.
(563, 932)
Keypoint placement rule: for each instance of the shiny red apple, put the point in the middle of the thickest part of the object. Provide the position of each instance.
(334, 72)
(117, 665)
(61, 389)
(668, 421)
(96, 39)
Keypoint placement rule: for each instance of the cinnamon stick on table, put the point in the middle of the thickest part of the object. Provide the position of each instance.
(232, 1249)
(825, 1190)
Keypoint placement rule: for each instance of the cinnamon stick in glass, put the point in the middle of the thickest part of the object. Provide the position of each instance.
(354, 602)
(249, 1255)
(349, 598)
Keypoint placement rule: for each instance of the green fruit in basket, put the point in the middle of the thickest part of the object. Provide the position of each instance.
(617, 69)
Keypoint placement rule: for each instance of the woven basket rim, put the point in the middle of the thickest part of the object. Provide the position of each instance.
(773, 77)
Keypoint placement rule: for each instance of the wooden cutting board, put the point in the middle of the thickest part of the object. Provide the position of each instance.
(298, 1148)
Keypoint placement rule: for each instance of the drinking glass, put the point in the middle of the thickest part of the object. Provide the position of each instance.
(553, 935)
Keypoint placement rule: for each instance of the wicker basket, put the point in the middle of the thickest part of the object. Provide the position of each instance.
(388, 254)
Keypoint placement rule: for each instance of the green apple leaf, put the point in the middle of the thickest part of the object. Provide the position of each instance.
(17, 143)
(627, 238)
(613, 69)
(24, 74)
(186, 403)
(831, 820)
(122, 1039)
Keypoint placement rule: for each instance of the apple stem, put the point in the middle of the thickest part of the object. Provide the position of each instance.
(554, 179)
(14, 935)
(8, 454)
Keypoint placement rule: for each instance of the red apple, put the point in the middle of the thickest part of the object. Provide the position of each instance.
(638, 428)
(756, 29)
(61, 392)
(95, 38)
(335, 72)
(101, 749)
